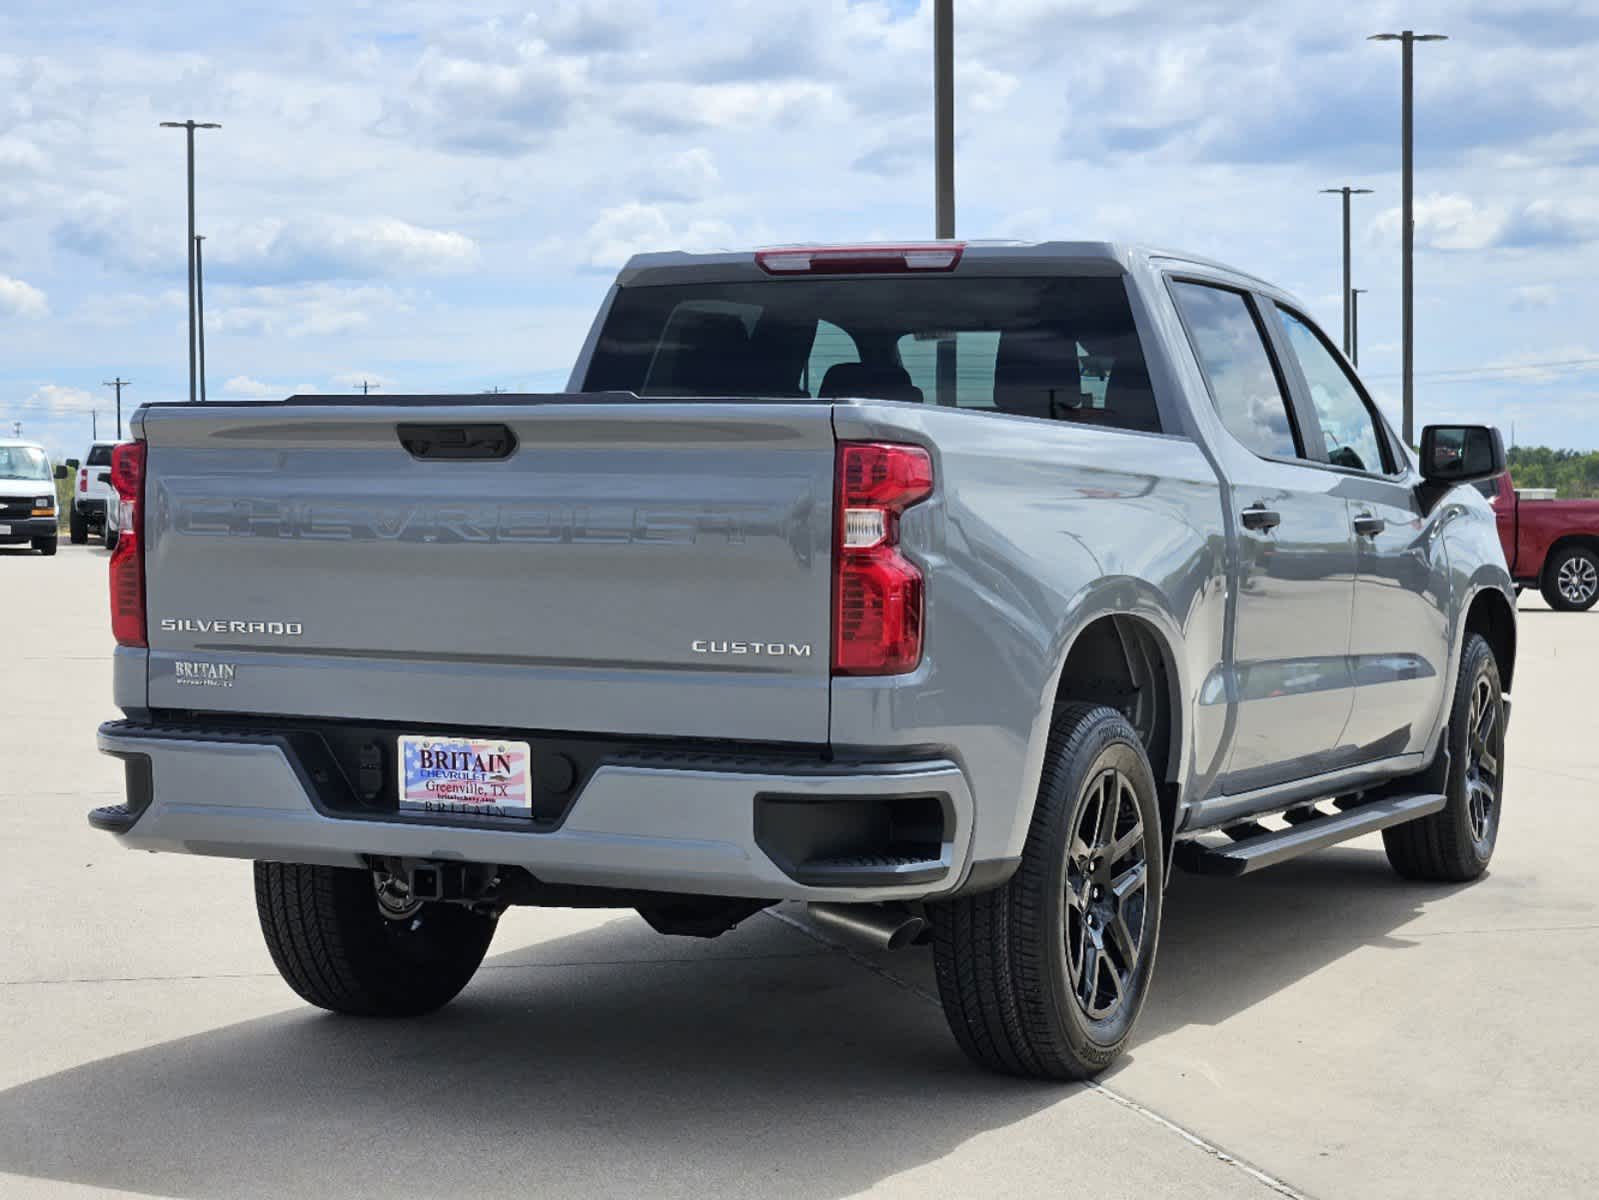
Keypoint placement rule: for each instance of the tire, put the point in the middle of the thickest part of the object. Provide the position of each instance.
(1454, 844)
(1013, 964)
(77, 527)
(46, 545)
(334, 945)
(1571, 579)
(109, 537)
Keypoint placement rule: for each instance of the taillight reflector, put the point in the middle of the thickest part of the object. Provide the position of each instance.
(860, 260)
(127, 560)
(877, 591)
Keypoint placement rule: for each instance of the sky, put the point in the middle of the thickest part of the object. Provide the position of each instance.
(432, 195)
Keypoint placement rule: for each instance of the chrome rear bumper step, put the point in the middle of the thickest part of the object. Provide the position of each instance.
(1272, 846)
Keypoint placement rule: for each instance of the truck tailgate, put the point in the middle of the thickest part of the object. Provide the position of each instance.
(631, 568)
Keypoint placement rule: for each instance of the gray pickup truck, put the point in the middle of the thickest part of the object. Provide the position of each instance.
(959, 590)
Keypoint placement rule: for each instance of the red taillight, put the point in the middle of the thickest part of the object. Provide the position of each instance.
(860, 260)
(127, 560)
(877, 591)
(83, 479)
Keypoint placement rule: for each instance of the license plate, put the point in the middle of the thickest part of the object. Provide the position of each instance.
(5, 530)
(484, 777)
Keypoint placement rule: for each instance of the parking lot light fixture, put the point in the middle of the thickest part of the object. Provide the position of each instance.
(1346, 192)
(1407, 41)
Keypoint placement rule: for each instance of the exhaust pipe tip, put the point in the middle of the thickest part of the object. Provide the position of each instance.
(879, 926)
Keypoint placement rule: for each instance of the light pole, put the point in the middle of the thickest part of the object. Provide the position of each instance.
(199, 304)
(119, 383)
(190, 126)
(1346, 192)
(1407, 41)
(1354, 323)
(944, 168)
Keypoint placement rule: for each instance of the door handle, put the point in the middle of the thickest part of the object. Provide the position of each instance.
(457, 441)
(1367, 525)
(1260, 518)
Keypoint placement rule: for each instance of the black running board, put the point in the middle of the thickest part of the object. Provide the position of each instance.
(1270, 847)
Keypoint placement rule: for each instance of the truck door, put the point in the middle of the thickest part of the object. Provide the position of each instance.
(1288, 673)
(1399, 635)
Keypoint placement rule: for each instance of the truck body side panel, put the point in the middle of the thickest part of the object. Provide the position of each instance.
(1037, 529)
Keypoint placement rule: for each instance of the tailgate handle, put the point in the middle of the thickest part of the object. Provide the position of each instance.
(457, 441)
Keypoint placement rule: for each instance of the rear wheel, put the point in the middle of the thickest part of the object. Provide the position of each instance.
(1571, 579)
(110, 539)
(45, 545)
(1455, 843)
(77, 527)
(1045, 976)
(349, 941)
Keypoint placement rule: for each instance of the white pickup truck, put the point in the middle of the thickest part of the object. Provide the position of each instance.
(95, 505)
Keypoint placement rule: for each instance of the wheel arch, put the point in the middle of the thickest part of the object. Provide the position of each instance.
(1493, 615)
(1128, 660)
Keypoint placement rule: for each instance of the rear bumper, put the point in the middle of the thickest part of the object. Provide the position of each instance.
(689, 828)
(91, 510)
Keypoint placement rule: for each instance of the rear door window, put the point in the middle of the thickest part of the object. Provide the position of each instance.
(99, 456)
(1057, 348)
(1244, 386)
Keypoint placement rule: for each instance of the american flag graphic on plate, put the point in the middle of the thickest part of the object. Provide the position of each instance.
(483, 777)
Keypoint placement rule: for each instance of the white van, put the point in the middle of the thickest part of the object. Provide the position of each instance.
(28, 496)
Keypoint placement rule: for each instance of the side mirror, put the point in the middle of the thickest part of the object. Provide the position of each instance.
(105, 476)
(73, 464)
(61, 471)
(1452, 454)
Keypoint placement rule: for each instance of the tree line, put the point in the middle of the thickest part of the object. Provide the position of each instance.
(1573, 473)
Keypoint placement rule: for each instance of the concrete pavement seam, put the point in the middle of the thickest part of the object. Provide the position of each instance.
(1264, 1178)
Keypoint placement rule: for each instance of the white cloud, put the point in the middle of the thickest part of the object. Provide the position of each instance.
(1448, 222)
(630, 229)
(57, 400)
(1533, 296)
(18, 155)
(253, 389)
(21, 299)
(306, 310)
(335, 248)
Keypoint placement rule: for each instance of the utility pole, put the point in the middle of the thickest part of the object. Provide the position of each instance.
(119, 383)
(944, 168)
(199, 304)
(16, 429)
(1407, 41)
(94, 424)
(190, 126)
(366, 388)
(1346, 192)
(1354, 323)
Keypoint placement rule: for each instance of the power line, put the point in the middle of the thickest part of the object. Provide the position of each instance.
(1500, 369)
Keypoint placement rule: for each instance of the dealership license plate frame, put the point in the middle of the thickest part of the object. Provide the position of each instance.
(480, 777)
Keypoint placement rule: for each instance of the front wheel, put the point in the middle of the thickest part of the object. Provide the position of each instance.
(1045, 976)
(346, 940)
(45, 545)
(77, 527)
(1571, 579)
(1454, 844)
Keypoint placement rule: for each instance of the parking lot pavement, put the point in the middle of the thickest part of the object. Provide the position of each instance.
(1344, 1032)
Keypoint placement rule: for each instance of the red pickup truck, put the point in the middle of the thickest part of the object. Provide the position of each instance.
(1552, 545)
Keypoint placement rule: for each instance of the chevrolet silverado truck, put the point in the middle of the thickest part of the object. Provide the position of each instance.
(1552, 545)
(959, 590)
